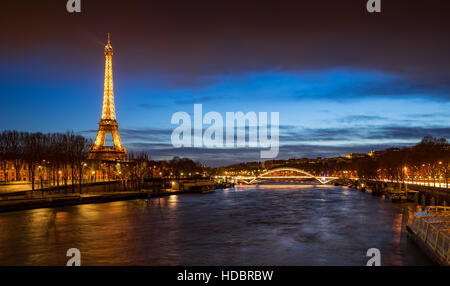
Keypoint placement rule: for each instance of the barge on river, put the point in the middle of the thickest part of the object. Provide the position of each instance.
(430, 229)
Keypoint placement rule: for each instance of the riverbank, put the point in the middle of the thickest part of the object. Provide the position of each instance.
(78, 199)
(101, 192)
(401, 192)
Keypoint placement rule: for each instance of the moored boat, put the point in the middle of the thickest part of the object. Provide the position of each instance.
(398, 196)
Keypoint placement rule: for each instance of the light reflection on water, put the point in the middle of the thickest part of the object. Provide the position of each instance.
(248, 225)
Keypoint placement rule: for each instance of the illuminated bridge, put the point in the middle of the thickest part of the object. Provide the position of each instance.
(279, 173)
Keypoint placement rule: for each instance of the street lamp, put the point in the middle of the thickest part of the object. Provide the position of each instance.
(405, 170)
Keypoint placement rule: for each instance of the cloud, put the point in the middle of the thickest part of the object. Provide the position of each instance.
(350, 84)
(430, 115)
(337, 84)
(219, 157)
(150, 106)
(361, 118)
(137, 135)
(152, 135)
(368, 133)
(193, 100)
(290, 134)
(294, 142)
(413, 132)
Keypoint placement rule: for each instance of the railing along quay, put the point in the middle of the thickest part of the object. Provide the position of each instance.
(430, 229)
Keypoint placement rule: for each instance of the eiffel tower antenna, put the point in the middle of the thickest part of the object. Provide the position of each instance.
(108, 123)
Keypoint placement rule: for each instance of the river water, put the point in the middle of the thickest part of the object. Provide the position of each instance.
(258, 225)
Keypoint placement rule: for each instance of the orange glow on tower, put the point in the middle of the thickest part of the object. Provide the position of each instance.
(108, 123)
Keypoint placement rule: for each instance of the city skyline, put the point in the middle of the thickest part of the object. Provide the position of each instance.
(335, 95)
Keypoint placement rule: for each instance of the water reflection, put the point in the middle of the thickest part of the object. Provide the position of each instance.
(249, 225)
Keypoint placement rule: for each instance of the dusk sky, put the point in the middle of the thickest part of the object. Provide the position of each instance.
(342, 79)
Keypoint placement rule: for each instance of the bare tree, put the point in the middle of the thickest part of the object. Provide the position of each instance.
(140, 167)
(81, 152)
(4, 154)
(35, 148)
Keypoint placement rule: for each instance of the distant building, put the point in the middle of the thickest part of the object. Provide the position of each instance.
(356, 155)
(8, 173)
(375, 153)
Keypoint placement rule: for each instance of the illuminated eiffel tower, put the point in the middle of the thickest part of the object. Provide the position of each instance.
(108, 123)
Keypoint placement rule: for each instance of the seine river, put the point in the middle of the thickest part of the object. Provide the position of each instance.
(258, 225)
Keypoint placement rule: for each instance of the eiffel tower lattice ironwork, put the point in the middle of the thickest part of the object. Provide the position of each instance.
(108, 123)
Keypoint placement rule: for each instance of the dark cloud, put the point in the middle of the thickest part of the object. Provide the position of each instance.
(134, 135)
(354, 87)
(401, 87)
(400, 132)
(372, 132)
(361, 118)
(319, 134)
(201, 38)
(90, 132)
(219, 157)
(429, 115)
(295, 142)
(290, 133)
(190, 101)
(158, 135)
(150, 106)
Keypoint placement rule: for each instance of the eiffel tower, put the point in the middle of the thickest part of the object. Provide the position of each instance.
(108, 123)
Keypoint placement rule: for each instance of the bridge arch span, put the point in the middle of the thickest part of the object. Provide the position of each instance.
(291, 170)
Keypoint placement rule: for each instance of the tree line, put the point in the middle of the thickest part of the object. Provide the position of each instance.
(60, 157)
(56, 154)
(429, 159)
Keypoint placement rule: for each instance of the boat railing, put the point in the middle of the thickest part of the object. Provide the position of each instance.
(432, 226)
(437, 209)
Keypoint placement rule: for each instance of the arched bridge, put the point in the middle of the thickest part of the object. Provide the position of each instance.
(269, 175)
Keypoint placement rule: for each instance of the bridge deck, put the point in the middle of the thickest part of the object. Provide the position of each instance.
(283, 177)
